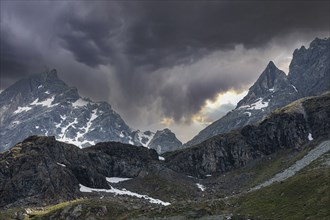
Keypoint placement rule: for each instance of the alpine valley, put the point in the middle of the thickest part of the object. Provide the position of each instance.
(67, 157)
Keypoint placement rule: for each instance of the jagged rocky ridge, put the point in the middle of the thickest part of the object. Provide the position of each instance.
(44, 105)
(41, 170)
(308, 75)
(290, 127)
(309, 69)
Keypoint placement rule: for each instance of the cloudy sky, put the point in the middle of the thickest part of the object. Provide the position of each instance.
(177, 64)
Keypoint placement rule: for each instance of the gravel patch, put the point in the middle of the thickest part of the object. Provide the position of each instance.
(300, 164)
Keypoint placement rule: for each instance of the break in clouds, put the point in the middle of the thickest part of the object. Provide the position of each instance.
(154, 60)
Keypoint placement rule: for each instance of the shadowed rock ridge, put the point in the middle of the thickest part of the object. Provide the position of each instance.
(309, 75)
(290, 127)
(43, 170)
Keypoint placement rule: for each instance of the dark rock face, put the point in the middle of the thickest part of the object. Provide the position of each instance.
(318, 115)
(281, 130)
(120, 159)
(271, 85)
(309, 68)
(309, 75)
(164, 141)
(45, 105)
(43, 170)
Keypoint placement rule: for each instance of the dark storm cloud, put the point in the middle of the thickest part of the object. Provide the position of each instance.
(161, 32)
(143, 42)
(151, 35)
(17, 59)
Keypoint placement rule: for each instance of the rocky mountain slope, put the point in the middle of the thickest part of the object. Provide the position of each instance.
(164, 138)
(309, 74)
(289, 127)
(314, 154)
(282, 200)
(192, 182)
(45, 105)
(41, 169)
(309, 69)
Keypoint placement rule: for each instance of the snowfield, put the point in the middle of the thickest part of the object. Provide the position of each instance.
(123, 192)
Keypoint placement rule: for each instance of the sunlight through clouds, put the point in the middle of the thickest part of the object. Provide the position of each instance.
(215, 109)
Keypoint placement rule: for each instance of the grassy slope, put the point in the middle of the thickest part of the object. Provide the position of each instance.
(305, 195)
(88, 207)
(267, 168)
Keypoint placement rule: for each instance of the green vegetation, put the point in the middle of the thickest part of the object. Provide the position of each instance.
(303, 196)
(38, 214)
(8, 214)
(101, 209)
(270, 167)
(186, 210)
(163, 188)
(16, 151)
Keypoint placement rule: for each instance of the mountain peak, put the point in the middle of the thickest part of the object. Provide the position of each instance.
(52, 108)
(52, 74)
(269, 77)
(164, 140)
(49, 76)
(167, 130)
(272, 80)
(319, 42)
(309, 75)
(271, 64)
(309, 68)
(271, 68)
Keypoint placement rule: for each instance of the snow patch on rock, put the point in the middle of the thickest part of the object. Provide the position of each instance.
(116, 179)
(61, 164)
(22, 109)
(248, 114)
(79, 103)
(310, 137)
(46, 103)
(201, 187)
(123, 192)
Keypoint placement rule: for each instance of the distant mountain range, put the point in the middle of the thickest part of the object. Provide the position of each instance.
(44, 105)
(308, 75)
(277, 155)
(43, 171)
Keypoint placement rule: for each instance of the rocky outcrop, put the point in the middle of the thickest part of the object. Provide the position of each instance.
(309, 69)
(309, 75)
(317, 111)
(287, 128)
(118, 159)
(42, 170)
(164, 141)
